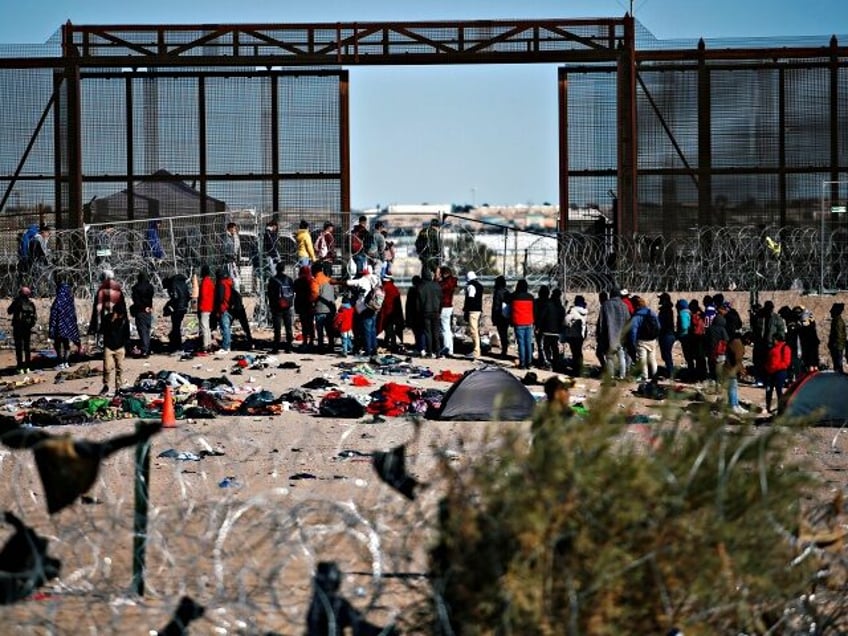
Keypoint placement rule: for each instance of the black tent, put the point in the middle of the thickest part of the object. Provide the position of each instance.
(487, 393)
(162, 196)
(823, 393)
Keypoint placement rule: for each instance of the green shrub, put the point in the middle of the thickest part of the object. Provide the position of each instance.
(593, 529)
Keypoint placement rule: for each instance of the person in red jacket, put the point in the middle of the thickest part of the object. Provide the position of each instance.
(221, 309)
(205, 305)
(447, 282)
(521, 310)
(778, 360)
(343, 324)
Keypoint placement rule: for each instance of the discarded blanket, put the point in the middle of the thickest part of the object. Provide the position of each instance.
(448, 376)
(337, 404)
(393, 399)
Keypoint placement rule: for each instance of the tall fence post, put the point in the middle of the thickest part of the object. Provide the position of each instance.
(142, 497)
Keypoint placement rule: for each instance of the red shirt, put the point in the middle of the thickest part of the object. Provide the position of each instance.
(206, 295)
(779, 357)
(344, 320)
(448, 286)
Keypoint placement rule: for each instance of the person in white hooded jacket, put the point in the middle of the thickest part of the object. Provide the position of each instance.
(576, 325)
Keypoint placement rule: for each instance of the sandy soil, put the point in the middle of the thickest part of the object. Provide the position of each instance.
(247, 551)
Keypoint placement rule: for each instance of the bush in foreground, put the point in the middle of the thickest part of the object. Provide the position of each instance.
(595, 529)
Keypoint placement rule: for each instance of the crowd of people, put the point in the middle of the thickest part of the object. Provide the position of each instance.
(346, 311)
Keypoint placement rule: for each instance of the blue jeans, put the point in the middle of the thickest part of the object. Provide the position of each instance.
(226, 322)
(524, 338)
(321, 328)
(369, 331)
(733, 392)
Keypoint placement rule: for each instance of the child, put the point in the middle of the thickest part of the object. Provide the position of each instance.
(24, 317)
(343, 324)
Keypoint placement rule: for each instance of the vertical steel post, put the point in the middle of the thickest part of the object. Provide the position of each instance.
(344, 143)
(130, 133)
(275, 144)
(564, 195)
(705, 142)
(201, 140)
(74, 126)
(627, 133)
(142, 497)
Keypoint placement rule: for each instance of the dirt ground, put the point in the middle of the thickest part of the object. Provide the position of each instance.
(242, 532)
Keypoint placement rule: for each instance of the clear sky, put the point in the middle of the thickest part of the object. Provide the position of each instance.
(475, 134)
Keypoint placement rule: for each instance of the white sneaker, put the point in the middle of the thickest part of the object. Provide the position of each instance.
(224, 352)
(739, 410)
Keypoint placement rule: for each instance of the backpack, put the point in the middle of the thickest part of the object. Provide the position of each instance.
(649, 328)
(699, 327)
(374, 299)
(286, 297)
(179, 293)
(24, 253)
(361, 239)
(27, 314)
(421, 242)
(719, 351)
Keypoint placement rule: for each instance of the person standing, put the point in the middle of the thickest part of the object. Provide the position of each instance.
(108, 294)
(343, 324)
(271, 245)
(24, 317)
(732, 367)
(360, 238)
(808, 339)
(325, 304)
(836, 337)
(643, 334)
(521, 311)
(667, 336)
(447, 283)
(232, 254)
(390, 319)
(377, 249)
(368, 286)
(305, 249)
(717, 342)
(151, 249)
(223, 293)
(500, 308)
(430, 298)
(142, 310)
(205, 306)
(472, 309)
(325, 244)
(576, 324)
(414, 315)
(116, 336)
(777, 364)
(280, 295)
(428, 246)
(63, 327)
(682, 331)
(39, 255)
(179, 297)
(304, 306)
(698, 340)
(614, 319)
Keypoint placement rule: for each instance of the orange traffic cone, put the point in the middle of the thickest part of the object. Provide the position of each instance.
(169, 420)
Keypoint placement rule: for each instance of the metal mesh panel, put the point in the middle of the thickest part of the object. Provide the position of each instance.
(238, 114)
(668, 204)
(667, 106)
(592, 135)
(746, 199)
(744, 115)
(307, 109)
(807, 97)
